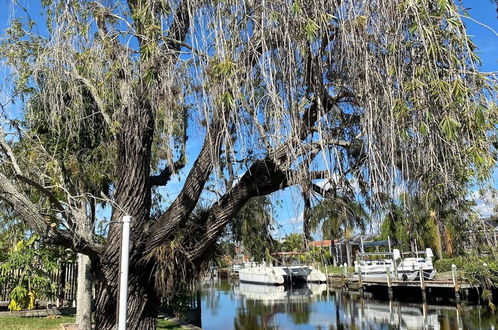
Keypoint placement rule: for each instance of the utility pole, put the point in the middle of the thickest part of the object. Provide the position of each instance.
(123, 276)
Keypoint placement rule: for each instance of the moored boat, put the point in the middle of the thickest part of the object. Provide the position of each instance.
(377, 265)
(264, 274)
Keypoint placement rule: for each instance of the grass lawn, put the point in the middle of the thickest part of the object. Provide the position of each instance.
(336, 270)
(166, 324)
(32, 323)
(44, 323)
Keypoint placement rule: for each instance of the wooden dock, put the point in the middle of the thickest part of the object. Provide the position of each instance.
(417, 284)
(452, 288)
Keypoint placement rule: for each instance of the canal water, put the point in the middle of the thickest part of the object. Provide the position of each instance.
(249, 306)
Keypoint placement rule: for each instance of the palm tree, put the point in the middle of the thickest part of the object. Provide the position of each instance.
(428, 222)
(337, 216)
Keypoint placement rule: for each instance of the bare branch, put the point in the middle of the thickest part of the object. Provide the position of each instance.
(263, 177)
(28, 212)
(8, 151)
(163, 178)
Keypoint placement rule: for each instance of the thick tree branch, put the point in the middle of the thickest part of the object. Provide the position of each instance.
(262, 178)
(186, 201)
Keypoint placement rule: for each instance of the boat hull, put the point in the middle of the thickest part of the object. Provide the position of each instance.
(281, 275)
(261, 275)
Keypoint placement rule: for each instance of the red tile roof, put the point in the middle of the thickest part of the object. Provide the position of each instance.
(326, 242)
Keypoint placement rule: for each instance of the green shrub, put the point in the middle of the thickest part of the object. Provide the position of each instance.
(479, 271)
(444, 265)
(33, 264)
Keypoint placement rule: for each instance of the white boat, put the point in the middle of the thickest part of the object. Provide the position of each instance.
(407, 269)
(421, 260)
(264, 274)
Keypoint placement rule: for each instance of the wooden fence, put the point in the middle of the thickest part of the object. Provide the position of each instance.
(64, 279)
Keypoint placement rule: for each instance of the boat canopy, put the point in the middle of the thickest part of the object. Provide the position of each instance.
(376, 243)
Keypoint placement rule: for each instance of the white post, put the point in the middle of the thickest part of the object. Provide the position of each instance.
(454, 274)
(123, 279)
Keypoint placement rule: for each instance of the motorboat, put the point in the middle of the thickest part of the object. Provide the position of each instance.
(422, 259)
(378, 264)
(279, 275)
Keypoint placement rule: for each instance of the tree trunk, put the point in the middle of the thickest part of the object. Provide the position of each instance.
(84, 293)
(143, 300)
(333, 252)
(61, 285)
(306, 219)
(133, 196)
(348, 253)
(440, 238)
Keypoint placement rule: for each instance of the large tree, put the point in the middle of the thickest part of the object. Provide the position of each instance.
(260, 95)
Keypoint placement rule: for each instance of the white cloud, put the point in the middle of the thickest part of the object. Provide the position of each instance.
(297, 219)
(486, 200)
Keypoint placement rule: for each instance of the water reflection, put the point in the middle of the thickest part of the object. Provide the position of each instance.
(270, 295)
(250, 306)
(261, 305)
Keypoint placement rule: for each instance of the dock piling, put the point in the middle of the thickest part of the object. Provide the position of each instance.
(389, 287)
(360, 278)
(455, 282)
(345, 275)
(422, 283)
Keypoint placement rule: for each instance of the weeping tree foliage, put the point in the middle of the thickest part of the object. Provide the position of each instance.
(279, 93)
(253, 226)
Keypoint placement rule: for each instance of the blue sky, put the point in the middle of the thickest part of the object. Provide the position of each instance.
(486, 40)
(484, 12)
(289, 208)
